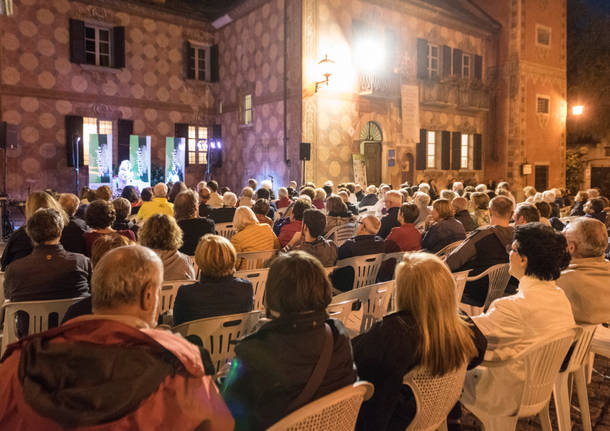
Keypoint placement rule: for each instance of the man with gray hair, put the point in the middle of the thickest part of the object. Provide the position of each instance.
(392, 201)
(158, 205)
(72, 236)
(137, 377)
(586, 281)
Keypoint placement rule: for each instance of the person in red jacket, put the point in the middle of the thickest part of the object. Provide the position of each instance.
(406, 236)
(296, 223)
(111, 370)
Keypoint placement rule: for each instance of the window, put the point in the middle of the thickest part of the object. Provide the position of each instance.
(433, 61)
(607, 151)
(199, 62)
(466, 59)
(464, 151)
(197, 145)
(97, 45)
(92, 125)
(247, 110)
(541, 177)
(543, 104)
(431, 153)
(543, 36)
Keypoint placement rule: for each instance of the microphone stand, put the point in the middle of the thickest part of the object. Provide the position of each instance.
(76, 161)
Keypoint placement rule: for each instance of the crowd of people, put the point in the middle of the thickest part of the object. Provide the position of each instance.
(114, 254)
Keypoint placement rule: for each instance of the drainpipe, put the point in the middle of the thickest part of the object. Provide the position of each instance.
(285, 82)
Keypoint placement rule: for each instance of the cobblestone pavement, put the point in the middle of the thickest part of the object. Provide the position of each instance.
(599, 403)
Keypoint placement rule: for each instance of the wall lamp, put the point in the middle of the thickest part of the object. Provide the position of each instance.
(326, 65)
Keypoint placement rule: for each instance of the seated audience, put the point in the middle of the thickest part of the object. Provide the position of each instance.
(250, 235)
(480, 203)
(586, 282)
(104, 193)
(245, 200)
(215, 200)
(310, 239)
(308, 191)
(162, 234)
(441, 227)
(177, 188)
(225, 213)
(366, 240)
(351, 206)
(218, 292)
(337, 213)
(131, 194)
(594, 208)
(284, 199)
(484, 248)
(392, 201)
(146, 194)
(19, 244)
(137, 377)
(295, 223)
(526, 213)
(537, 312)
(252, 183)
(319, 199)
(462, 215)
(204, 197)
(72, 236)
(549, 197)
(406, 236)
(370, 198)
(264, 193)
(158, 205)
(359, 193)
(122, 207)
(100, 216)
(421, 200)
(273, 365)
(426, 330)
(545, 212)
(193, 227)
(579, 202)
(261, 209)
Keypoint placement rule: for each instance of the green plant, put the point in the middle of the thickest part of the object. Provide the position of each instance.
(574, 171)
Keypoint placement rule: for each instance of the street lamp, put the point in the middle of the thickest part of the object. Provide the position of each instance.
(577, 109)
(326, 65)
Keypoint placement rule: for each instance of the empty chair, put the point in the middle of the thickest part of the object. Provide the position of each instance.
(258, 278)
(576, 368)
(340, 234)
(460, 282)
(365, 268)
(498, 280)
(218, 334)
(41, 314)
(448, 248)
(435, 396)
(225, 229)
(336, 411)
(168, 294)
(541, 363)
(341, 310)
(254, 259)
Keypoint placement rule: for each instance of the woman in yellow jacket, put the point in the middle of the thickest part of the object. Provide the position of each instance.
(251, 235)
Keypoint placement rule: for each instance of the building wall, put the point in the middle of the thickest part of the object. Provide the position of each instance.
(40, 85)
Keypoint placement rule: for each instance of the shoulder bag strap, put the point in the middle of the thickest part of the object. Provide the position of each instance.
(319, 371)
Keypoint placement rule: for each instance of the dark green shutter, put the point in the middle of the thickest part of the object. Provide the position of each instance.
(420, 151)
(77, 41)
(422, 58)
(125, 129)
(181, 130)
(478, 67)
(118, 45)
(445, 150)
(477, 152)
(214, 67)
(74, 131)
(457, 62)
(189, 65)
(446, 61)
(456, 150)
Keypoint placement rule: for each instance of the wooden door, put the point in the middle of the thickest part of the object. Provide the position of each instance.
(372, 155)
(600, 177)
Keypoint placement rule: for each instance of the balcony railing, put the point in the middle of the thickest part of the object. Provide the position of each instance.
(374, 85)
(472, 96)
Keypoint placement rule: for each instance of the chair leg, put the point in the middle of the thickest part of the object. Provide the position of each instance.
(590, 367)
(500, 423)
(562, 402)
(545, 419)
(583, 398)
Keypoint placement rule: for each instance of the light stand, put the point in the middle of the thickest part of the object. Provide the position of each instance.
(76, 161)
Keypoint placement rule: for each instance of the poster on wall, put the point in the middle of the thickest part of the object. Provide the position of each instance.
(139, 157)
(359, 169)
(175, 151)
(409, 99)
(100, 160)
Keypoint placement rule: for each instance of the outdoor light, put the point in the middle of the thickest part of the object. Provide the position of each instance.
(326, 65)
(213, 145)
(577, 109)
(369, 53)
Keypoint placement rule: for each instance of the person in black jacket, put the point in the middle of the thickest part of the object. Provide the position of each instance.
(226, 213)
(218, 291)
(272, 366)
(392, 201)
(72, 235)
(122, 208)
(425, 307)
(193, 227)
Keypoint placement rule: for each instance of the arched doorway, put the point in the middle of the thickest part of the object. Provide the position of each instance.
(371, 138)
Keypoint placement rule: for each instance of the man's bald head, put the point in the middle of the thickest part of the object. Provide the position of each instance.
(369, 225)
(393, 199)
(587, 237)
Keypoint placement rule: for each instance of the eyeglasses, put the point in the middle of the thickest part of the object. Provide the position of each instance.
(510, 248)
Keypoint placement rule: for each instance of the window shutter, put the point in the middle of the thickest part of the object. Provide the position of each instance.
(445, 150)
(74, 130)
(478, 67)
(456, 150)
(77, 41)
(125, 130)
(189, 65)
(446, 61)
(214, 67)
(457, 62)
(118, 45)
(477, 152)
(422, 58)
(181, 130)
(420, 151)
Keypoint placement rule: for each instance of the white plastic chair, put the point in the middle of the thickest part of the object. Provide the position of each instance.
(498, 280)
(337, 411)
(435, 396)
(374, 302)
(342, 233)
(541, 362)
(365, 268)
(445, 251)
(258, 278)
(460, 282)
(576, 368)
(167, 296)
(225, 229)
(329, 269)
(254, 259)
(341, 310)
(38, 314)
(218, 335)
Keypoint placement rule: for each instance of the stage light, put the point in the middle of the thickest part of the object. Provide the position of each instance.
(577, 109)
(213, 145)
(219, 144)
(369, 52)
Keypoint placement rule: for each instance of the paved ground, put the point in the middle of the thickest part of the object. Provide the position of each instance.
(599, 402)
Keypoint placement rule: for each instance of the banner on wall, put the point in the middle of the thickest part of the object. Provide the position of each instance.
(409, 99)
(359, 165)
(139, 158)
(100, 160)
(175, 152)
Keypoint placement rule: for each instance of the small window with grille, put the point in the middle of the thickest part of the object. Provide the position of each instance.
(543, 104)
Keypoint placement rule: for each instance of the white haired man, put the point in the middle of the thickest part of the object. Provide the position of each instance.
(392, 201)
(158, 205)
(137, 377)
(226, 213)
(586, 281)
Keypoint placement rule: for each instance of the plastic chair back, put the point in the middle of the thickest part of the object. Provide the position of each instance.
(218, 335)
(498, 280)
(341, 310)
(365, 267)
(435, 396)
(38, 312)
(580, 350)
(460, 283)
(258, 278)
(254, 259)
(225, 229)
(336, 411)
(600, 344)
(342, 233)
(445, 251)
(167, 296)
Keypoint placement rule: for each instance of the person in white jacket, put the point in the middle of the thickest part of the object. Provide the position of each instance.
(538, 311)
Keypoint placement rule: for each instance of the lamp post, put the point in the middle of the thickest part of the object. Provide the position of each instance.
(578, 109)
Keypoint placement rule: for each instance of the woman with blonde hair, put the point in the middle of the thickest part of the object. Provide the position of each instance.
(19, 244)
(218, 291)
(251, 235)
(426, 330)
(442, 228)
